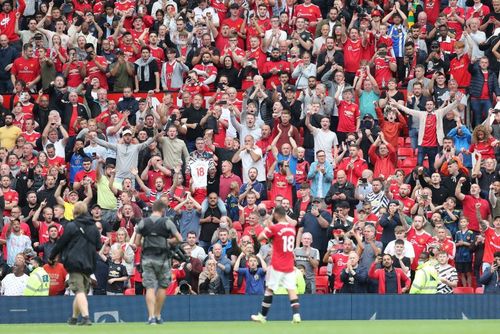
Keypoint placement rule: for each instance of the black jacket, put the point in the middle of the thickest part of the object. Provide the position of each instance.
(354, 283)
(477, 80)
(130, 104)
(78, 245)
(347, 189)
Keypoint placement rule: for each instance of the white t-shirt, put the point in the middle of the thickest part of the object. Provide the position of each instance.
(247, 163)
(325, 140)
(13, 286)
(409, 251)
(199, 172)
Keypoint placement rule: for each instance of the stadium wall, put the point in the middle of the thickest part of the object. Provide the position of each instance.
(235, 308)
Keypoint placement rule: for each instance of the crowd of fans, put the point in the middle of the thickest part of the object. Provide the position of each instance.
(373, 123)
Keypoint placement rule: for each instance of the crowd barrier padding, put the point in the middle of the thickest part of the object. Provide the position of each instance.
(238, 308)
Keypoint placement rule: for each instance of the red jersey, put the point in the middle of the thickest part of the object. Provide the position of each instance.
(479, 13)
(485, 148)
(383, 72)
(56, 161)
(57, 275)
(26, 69)
(231, 53)
(158, 53)
(74, 78)
(43, 231)
(82, 174)
(310, 12)
(281, 187)
(431, 8)
(352, 55)
(430, 135)
(220, 8)
(485, 92)
(94, 72)
(194, 89)
(31, 137)
(459, 70)
(469, 210)
(452, 21)
(283, 238)
(491, 245)
(280, 66)
(8, 22)
(124, 6)
(259, 56)
(448, 246)
(348, 116)
(408, 203)
(301, 172)
(340, 261)
(447, 45)
(419, 242)
(129, 53)
(10, 196)
(354, 172)
(210, 69)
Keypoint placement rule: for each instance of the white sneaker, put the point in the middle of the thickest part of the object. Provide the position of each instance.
(296, 319)
(258, 318)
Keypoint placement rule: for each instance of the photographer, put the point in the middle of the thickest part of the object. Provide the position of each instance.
(491, 276)
(156, 234)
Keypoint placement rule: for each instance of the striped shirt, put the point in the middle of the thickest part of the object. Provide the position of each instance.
(398, 36)
(448, 272)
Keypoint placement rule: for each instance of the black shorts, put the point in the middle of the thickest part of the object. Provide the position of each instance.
(463, 267)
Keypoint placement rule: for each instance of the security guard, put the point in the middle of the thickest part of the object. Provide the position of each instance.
(426, 277)
(39, 281)
(158, 234)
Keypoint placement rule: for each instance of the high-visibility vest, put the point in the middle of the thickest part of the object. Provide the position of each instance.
(38, 283)
(426, 280)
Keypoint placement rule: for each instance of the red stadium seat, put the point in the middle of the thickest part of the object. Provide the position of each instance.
(463, 291)
(129, 292)
(408, 142)
(322, 271)
(322, 285)
(479, 290)
(404, 152)
(408, 162)
(401, 142)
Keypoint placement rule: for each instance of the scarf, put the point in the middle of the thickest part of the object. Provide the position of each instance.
(143, 68)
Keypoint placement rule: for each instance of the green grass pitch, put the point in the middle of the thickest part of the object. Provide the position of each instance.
(271, 327)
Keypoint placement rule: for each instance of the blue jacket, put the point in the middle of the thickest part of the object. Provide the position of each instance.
(477, 80)
(462, 141)
(326, 183)
(7, 56)
(489, 280)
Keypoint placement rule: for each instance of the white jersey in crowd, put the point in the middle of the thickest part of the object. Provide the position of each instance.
(199, 172)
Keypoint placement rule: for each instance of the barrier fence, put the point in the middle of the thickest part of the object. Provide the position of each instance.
(238, 308)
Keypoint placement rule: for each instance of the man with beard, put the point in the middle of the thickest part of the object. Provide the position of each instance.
(210, 221)
(419, 238)
(207, 72)
(252, 186)
(390, 280)
(43, 226)
(126, 153)
(328, 58)
(9, 133)
(273, 68)
(403, 197)
(174, 149)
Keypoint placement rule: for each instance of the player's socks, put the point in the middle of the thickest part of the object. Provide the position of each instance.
(266, 305)
(295, 306)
